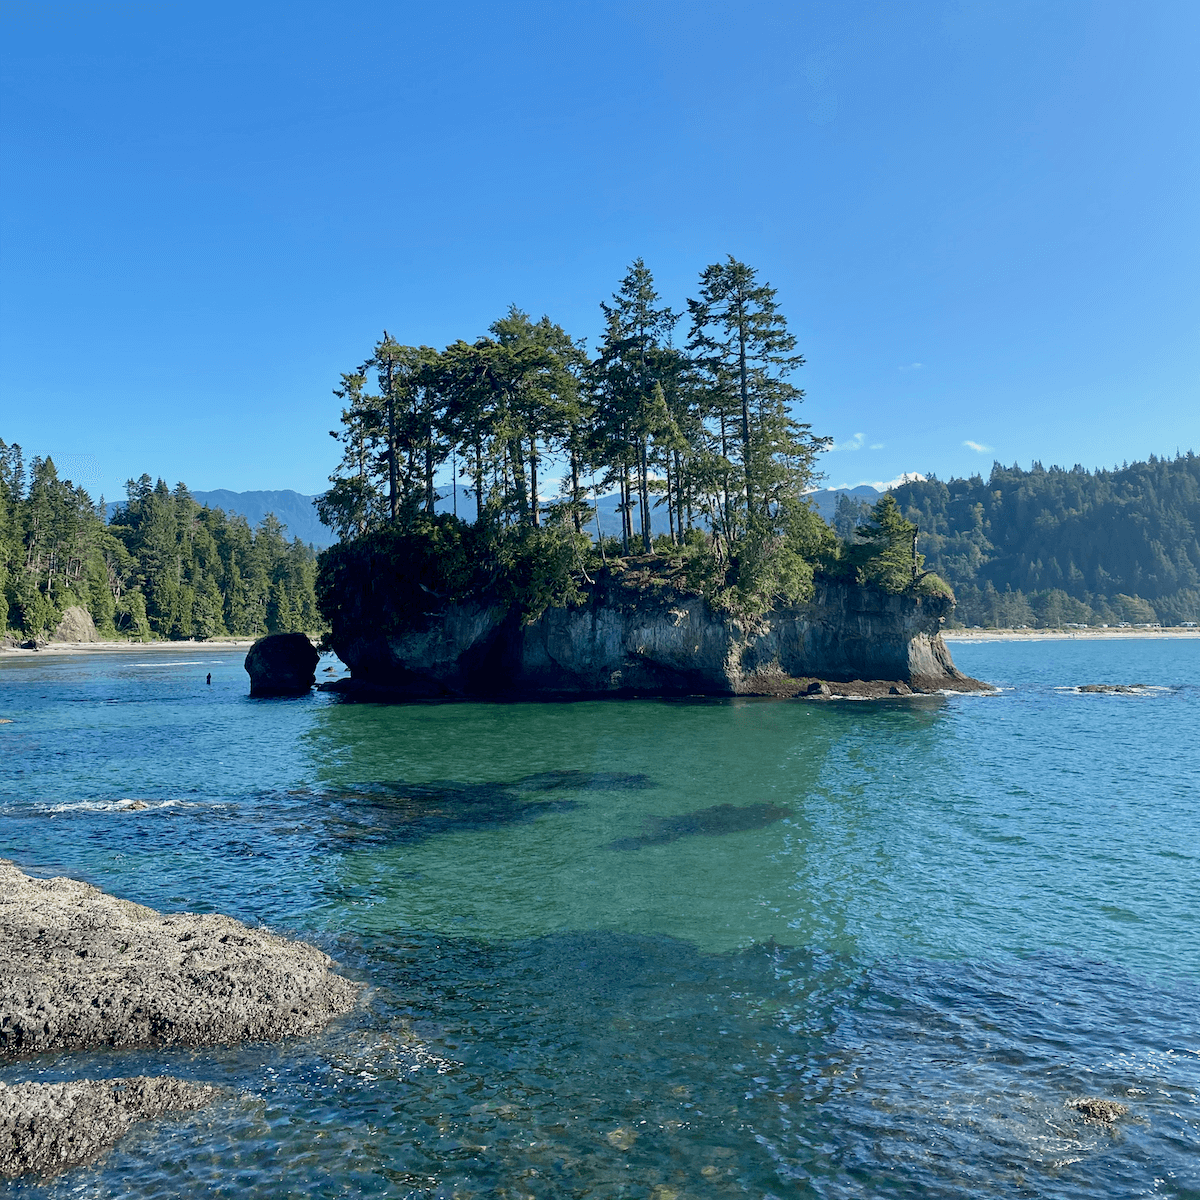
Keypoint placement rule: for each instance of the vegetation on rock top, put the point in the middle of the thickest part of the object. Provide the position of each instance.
(706, 432)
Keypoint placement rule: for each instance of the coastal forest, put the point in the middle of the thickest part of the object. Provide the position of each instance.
(1050, 546)
(165, 567)
(698, 435)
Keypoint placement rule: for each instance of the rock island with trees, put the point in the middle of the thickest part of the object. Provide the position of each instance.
(696, 433)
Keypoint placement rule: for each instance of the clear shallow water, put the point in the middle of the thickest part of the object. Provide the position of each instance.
(938, 921)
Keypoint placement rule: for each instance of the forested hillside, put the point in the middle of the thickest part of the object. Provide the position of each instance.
(166, 567)
(1051, 547)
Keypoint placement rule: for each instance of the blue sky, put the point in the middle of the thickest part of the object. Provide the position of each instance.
(981, 217)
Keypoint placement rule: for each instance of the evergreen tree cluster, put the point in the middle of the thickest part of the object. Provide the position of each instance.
(705, 431)
(1051, 547)
(165, 567)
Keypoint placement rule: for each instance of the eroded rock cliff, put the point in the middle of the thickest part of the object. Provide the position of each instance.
(628, 638)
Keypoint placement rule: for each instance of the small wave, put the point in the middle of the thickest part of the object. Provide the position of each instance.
(124, 805)
(191, 662)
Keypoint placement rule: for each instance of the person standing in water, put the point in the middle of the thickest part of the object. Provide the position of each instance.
(208, 679)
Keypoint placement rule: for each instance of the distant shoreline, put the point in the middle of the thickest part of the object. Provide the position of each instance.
(140, 647)
(1062, 635)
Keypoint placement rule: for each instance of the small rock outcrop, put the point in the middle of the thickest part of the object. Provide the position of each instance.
(76, 626)
(46, 1128)
(83, 969)
(1094, 1108)
(1113, 689)
(282, 664)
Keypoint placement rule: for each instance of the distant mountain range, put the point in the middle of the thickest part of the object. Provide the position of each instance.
(293, 509)
(296, 510)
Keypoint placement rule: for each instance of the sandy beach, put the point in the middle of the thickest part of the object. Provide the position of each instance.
(140, 647)
(1044, 635)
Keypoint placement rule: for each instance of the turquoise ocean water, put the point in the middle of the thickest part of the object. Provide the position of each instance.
(915, 930)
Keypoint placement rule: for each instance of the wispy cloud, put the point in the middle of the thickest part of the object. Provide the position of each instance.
(855, 443)
(876, 445)
(978, 447)
(880, 485)
(911, 367)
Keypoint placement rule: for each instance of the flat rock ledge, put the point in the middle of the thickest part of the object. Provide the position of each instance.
(46, 1128)
(81, 969)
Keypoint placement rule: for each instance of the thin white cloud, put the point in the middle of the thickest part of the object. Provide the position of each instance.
(978, 447)
(880, 485)
(876, 445)
(855, 443)
(911, 367)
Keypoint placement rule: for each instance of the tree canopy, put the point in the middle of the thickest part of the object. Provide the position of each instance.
(1052, 546)
(165, 567)
(708, 432)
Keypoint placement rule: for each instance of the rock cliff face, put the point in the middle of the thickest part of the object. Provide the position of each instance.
(628, 639)
(76, 626)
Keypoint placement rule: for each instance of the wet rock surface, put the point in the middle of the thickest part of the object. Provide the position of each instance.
(1095, 1109)
(83, 969)
(282, 664)
(1116, 689)
(46, 1128)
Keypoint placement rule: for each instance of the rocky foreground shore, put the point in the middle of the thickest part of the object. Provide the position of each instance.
(80, 969)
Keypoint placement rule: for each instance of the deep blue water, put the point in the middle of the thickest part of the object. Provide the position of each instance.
(914, 932)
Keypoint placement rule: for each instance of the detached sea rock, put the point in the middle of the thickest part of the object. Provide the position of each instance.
(84, 969)
(46, 1128)
(282, 664)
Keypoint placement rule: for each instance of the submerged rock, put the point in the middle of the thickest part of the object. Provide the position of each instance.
(1095, 1109)
(704, 822)
(1116, 689)
(84, 969)
(395, 811)
(282, 664)
(46, 1128)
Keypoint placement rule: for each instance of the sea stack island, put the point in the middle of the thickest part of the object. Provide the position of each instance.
(643, 626)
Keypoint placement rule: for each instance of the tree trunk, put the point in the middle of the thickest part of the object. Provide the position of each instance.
(429, 499)
(518, 468)
(393, 499)
(670, 505)
(576, 499)
(745, 390)
(644, 494)
(627, 532)
(533, 458)
(478, 480)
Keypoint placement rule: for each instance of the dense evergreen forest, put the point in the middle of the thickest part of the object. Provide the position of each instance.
(165, 567)
(704, 432)
(1050, 547)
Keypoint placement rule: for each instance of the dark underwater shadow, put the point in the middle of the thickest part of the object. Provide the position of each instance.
(394, 811)
(716, 821)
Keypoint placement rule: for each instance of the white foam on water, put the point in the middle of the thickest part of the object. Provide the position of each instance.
(124, 805)
(192, 662)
